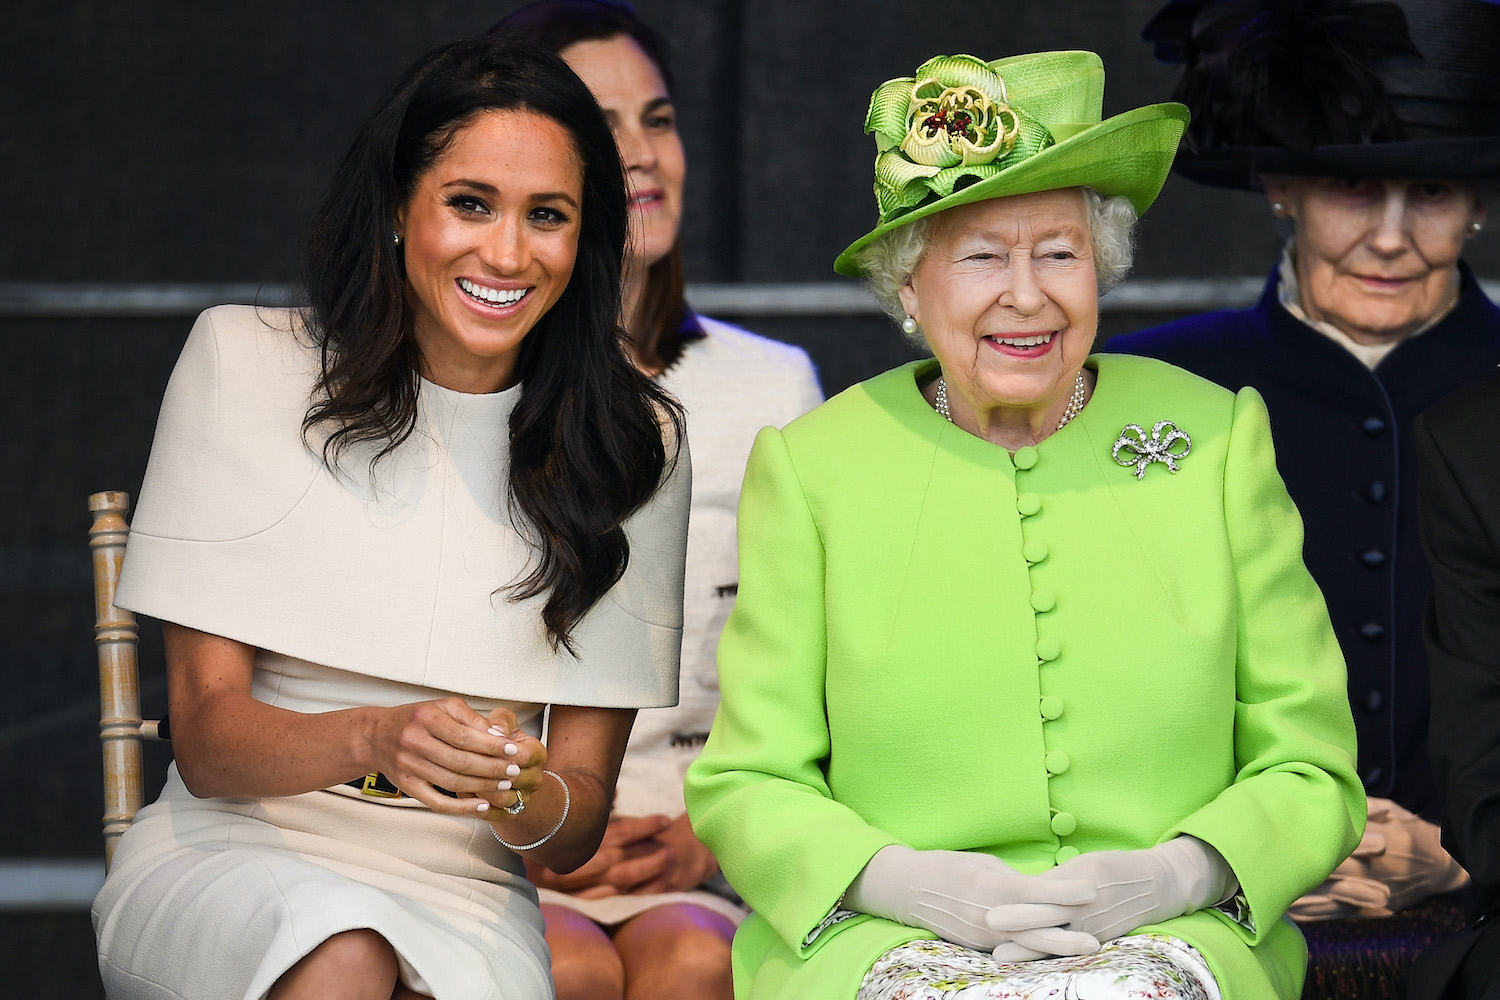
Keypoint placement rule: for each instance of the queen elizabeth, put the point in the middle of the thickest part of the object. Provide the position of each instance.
(1027, 688)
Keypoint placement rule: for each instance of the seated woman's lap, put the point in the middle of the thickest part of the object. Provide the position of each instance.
(1133, 966)
(676, 947)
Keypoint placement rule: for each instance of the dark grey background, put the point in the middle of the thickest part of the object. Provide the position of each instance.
(181, 141)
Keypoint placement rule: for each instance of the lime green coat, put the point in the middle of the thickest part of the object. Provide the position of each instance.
(937, 646)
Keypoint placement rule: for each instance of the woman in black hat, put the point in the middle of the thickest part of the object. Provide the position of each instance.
(1373, 128)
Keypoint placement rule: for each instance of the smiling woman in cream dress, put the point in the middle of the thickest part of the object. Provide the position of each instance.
(386, 534)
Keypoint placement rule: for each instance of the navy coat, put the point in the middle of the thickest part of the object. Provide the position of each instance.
(1344, 445)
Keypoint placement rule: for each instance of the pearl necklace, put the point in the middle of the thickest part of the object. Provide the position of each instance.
(1075, 401)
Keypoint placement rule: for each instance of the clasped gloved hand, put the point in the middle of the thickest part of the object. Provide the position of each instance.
(1399, 862)
(951, 892)
(1132, 889)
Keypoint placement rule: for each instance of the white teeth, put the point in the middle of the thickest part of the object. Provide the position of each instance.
(1041, 338)
(494, 296)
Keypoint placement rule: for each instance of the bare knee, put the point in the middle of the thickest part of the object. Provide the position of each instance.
(585, 965)
(355, 964)
(698, 962)
(679, 951)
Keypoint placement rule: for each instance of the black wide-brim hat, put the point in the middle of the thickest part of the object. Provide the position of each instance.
(1335, 88)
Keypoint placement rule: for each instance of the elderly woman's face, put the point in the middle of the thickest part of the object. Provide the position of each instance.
(1376, 258)
(1006, 297)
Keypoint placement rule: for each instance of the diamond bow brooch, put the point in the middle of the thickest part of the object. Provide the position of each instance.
(1166, 445)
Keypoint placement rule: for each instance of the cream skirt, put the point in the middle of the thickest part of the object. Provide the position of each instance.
(213, 899)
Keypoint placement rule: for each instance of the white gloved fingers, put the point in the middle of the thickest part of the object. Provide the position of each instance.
(1055, 887)
(1146, 886)
(953, 920)
(1025, 916)
(1012, 953)
(1057, 941)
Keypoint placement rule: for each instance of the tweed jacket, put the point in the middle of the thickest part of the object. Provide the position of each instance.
(939, 645)
(1344, 443)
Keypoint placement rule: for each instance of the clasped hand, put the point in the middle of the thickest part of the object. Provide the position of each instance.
(952, 894)
(1133, 889)
(485, 760)
(1399, 862)
(980, 902)
(639, 855)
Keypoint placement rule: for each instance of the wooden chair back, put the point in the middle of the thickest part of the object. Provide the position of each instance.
(116, 638)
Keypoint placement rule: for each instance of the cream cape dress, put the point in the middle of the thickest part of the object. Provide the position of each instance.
(360, 587)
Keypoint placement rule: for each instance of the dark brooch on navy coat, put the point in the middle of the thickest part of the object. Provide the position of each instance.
(1141, 450)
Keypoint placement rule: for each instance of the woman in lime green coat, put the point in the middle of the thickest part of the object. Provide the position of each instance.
(1026, 686)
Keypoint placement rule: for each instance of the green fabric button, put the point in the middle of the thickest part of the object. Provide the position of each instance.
(1057, 762)
(1028, 504)
(1063, 824)
(1047, 648)
(1052, 707)
(1043, 600)
(1025, 457)
(1034, 552)
(1066, 854)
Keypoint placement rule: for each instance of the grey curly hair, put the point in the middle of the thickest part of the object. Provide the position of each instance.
(889, 260)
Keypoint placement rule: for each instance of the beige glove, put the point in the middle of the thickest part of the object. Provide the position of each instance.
(1399, 862)
(949, 893)
(1135, 888)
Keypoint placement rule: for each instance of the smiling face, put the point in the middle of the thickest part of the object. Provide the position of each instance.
(490, 234)
(1377, 259)
(1007, 300)
(629, 88)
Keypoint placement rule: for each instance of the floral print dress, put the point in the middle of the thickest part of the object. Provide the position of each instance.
(1136, 967)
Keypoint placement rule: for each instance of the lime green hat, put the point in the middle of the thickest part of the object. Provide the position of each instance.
(963, 130)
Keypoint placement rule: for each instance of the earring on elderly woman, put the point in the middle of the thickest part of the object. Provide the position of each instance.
(909, 324)
(1475, 227)
(1278, 208)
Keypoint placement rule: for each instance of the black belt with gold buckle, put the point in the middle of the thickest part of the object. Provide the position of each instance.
(377, 785)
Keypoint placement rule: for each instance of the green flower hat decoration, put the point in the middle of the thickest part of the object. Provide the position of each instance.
(963, 130)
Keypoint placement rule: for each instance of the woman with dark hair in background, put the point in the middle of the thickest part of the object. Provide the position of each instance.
(1373, 129)
(385, 533)
(650, 916)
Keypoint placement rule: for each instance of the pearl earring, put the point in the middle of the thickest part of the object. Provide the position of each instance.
(1475, 227)
(909, 326)
(396, 237)
(1278, 208)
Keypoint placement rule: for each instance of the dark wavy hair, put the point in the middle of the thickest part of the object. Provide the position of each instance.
(586, 436)
(664, 323)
